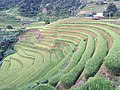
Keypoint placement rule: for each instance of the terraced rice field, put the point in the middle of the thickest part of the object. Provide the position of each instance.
(64, 55)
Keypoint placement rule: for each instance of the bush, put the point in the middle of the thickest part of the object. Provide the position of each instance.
(9, 27)
(111, 10)
(1, 56)
(47, 21)
(94, 13)
(96, 83)
(44, 87)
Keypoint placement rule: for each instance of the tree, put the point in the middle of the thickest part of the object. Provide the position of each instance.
(111, 10)
(94, 13)
(1, 56)
(30, 8)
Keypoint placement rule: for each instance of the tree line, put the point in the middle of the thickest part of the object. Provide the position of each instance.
(31, 8)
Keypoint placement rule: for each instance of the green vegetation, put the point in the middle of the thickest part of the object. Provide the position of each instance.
(113, 55)
(42, 49)
(114, 52)
(7, 39)
(44, 87)
(94, 63)
(47, 21)
(74, 60)
(59, 66)
(31, 8)
(70, 78)
(96, 83)
(65, 54)
(111, 10)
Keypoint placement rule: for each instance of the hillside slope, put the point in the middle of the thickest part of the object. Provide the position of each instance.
(93, 7)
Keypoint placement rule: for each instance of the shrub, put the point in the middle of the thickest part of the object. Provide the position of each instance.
(94, 13)
(96, 83)
(9, 27)
(47, 21)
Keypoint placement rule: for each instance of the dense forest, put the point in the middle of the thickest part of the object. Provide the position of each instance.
(31, 8)
(6, 4)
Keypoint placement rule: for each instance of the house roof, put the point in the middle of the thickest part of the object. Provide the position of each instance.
(99, 15)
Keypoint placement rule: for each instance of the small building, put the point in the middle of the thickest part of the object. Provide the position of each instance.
(101, 2)
(25, 23)
(98, 16)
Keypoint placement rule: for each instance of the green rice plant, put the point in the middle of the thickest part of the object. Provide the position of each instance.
(66, 48)
(93, 64)
(71, 46)
(66, 40)
(60, 53)
(96, 83)
(59, 66)
(77, 37)
(119, 88)
(73, 62)
(25, 70)
(21, 53)
(112, 60)
(38, 75)
(44, 87)
(70, 78)
(68, 69)
(15, 65)
(71, 36)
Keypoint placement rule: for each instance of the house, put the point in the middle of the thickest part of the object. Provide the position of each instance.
(98, 16)
(27, 21)
(100, 2)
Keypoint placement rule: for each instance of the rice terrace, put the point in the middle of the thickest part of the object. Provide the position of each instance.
(58, 53)
(66, 52)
